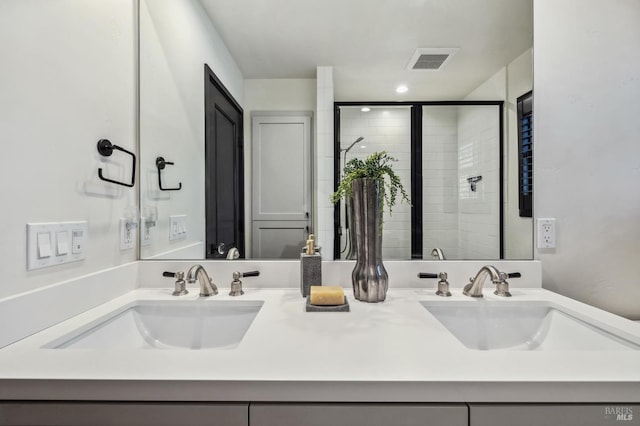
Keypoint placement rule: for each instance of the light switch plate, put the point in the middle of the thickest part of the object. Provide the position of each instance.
(59, 234)
(177, 227)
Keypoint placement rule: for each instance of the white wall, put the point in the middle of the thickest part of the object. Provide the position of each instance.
(176, 40)
(279, 94)
(587, 149)
(67, 79)
(285, 95)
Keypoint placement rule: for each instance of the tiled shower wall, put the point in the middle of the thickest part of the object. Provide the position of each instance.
(383, 129)
(440, 180)
(479, 155)
(460, 142)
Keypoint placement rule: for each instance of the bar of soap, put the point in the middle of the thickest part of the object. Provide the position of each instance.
(326, 295)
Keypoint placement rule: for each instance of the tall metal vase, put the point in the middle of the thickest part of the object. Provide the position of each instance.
(369, 277)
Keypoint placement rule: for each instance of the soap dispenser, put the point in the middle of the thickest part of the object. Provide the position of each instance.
(310, 267)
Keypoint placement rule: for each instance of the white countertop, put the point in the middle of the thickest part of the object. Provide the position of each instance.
(394, 351)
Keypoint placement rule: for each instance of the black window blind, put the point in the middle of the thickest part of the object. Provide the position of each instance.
(525, 154)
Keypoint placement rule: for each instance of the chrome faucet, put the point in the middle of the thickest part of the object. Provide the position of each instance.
(207, 287)
(437, 253)
(474, 288)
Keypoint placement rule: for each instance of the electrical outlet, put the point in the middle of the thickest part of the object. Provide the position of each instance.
(546, 233)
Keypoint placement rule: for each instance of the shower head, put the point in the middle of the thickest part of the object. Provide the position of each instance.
(351, 146)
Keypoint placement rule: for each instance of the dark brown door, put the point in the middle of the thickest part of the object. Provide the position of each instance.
(224, 180)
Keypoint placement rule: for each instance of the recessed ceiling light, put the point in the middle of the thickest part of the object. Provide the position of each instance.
(402, 89)
(365, 109)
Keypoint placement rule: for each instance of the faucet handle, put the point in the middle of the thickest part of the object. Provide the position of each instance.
(443, 284)
(502, 286)
(427, 275)
(236, 284)
(180, 285)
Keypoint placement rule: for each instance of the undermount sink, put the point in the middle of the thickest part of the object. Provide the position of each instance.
(197, 324)
(535, 326)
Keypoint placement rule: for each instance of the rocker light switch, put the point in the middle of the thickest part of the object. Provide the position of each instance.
(44, 245)
(62, 243)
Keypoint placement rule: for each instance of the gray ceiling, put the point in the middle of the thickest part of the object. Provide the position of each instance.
(370, 42)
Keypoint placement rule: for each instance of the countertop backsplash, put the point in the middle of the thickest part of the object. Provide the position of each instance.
(285, 274)
(60, 301)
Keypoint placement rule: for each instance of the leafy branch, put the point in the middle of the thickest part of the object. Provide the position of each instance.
(376, 166)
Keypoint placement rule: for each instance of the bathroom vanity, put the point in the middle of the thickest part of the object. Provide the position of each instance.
(147, 357)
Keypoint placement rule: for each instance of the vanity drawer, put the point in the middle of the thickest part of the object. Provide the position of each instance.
(554, 414)
(122, 413)
(352, 414)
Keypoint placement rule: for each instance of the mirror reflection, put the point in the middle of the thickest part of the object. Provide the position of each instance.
(178, 37)
(456, 211)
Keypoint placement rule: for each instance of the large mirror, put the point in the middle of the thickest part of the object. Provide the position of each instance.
(265, 56)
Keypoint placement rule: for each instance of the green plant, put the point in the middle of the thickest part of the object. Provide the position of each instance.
(376, 166)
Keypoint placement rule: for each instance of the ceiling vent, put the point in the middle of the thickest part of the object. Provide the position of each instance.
(430, 59)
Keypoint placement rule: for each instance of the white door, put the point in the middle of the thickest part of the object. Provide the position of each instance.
(281, 190)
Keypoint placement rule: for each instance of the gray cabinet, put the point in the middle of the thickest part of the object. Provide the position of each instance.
(314, 414)
(120, 413)
(554, 414)
(357, 414)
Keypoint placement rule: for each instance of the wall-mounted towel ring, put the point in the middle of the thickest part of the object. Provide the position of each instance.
(161, 164)
(105, 148)
(473, 180)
